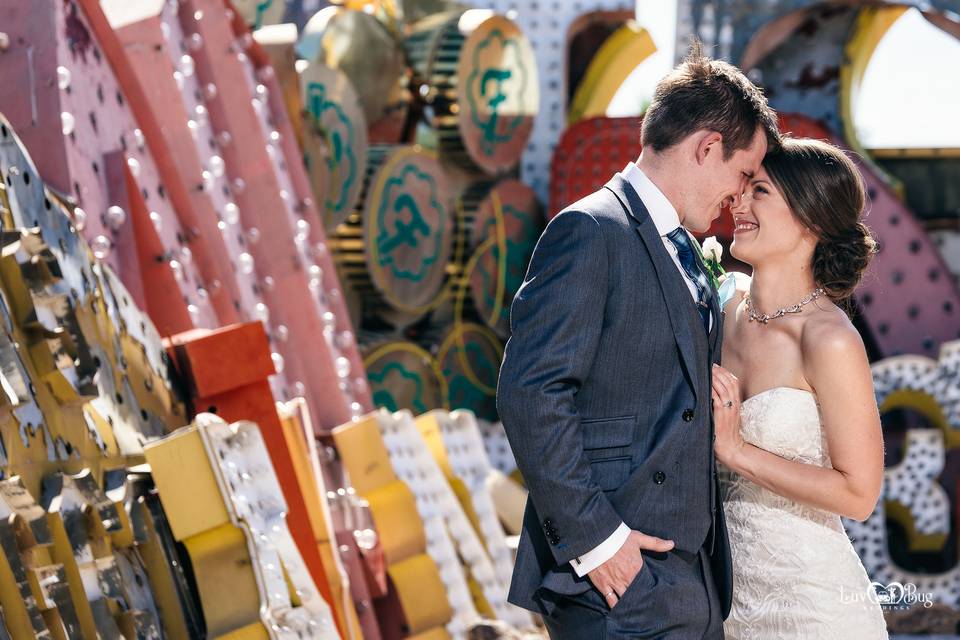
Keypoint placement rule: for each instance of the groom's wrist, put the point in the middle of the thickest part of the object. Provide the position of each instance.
(584, 564)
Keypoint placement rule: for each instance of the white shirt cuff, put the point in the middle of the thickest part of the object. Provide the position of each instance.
(602, 552)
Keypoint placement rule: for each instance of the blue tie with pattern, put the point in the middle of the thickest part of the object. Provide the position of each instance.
(681, 241)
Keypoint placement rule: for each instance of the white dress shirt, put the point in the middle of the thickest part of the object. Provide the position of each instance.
(666, 219)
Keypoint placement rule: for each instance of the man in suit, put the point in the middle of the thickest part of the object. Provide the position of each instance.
(604, 390)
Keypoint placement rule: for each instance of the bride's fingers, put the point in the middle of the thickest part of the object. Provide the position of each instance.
(719, 373)
(723, 387)
(719, 399)
(732, 385)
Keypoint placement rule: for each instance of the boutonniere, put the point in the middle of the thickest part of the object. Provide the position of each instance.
(710, 254)
(724, 283)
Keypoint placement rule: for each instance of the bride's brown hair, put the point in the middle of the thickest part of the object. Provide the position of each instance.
(824, 190)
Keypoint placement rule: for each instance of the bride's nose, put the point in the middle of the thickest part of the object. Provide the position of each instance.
(739, 203)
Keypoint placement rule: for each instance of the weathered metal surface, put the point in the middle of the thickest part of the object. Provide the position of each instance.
(106, 386)
(295, 273)
(60, 53)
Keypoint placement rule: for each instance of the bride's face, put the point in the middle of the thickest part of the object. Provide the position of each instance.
(764, 226)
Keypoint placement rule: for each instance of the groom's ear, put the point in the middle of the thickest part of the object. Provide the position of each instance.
(709, 146)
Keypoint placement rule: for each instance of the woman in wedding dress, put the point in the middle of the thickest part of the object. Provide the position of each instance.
(798, 437)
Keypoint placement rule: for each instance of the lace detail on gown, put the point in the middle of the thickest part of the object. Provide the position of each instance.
(795, 573)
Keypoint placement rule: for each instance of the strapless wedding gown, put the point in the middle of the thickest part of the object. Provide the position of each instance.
(795, 573)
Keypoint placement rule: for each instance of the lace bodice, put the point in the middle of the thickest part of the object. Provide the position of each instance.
(785, 421)
(796, 574)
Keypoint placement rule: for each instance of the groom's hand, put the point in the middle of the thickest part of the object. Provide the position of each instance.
(614, 576)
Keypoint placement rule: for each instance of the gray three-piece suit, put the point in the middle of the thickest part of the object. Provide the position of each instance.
(604, 393)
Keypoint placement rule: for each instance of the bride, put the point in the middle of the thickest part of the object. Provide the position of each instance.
(798, 436)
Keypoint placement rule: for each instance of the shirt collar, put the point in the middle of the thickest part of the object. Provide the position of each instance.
(664, 214)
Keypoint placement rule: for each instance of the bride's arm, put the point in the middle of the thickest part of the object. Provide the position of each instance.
(836, 366)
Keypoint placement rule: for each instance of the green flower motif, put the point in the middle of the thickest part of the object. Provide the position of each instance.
(397, 197)
(383, 397)
(340, 137)
(489, 88)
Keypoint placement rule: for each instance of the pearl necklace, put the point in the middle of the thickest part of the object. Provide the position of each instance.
(764, 318)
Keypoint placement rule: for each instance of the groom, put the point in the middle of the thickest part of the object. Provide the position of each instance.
(604, 389)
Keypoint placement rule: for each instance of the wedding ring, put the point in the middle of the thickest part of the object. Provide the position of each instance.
(608, 594)
(728, 403)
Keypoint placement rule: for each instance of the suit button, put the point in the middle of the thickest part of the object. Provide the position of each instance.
(659, 477)
(687, 415)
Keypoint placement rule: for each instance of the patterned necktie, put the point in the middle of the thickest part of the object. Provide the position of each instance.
(681, 241)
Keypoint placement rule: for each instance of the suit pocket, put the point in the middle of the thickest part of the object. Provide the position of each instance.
(642, 583)
(610, 473)
(607, 433)
(607, 444)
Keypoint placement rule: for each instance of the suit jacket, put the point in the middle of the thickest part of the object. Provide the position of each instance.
(604, 393)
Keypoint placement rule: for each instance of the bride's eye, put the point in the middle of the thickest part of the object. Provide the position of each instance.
(760, 190)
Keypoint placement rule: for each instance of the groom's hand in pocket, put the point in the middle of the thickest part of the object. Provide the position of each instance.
(614, 576)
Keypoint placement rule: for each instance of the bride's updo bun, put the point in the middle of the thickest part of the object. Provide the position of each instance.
(824, 190)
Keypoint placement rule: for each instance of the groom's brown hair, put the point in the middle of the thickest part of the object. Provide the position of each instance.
(702, 93)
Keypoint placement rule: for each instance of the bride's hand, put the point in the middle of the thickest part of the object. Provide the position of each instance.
(728, 443)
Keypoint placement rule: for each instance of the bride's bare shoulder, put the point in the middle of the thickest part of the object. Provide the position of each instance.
(828, 336)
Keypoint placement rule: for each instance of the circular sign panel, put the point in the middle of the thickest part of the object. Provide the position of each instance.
(407, 226)
(335, 141)
(504, 231)
(469, 359)
(498, 96)
(403, 376)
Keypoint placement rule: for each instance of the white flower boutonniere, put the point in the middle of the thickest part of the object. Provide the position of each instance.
(712, 250)
(710, 253)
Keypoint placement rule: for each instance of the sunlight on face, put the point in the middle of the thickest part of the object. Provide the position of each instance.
(764, 225)
(728, 179)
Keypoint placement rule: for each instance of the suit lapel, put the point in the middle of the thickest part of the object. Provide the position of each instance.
(680, 306)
